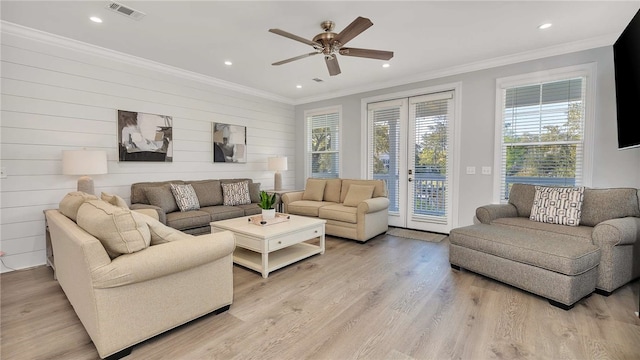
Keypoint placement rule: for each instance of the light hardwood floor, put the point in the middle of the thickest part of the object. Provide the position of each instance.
(390, 298)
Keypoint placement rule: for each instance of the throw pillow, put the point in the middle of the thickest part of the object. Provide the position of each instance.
(161, 233)
(162, 197)
(114, 200)
(70, 204)
(119, 230)
(557, 205)
(254, 192)
(236, 193)
(314, 190)
(209, 192)
(332, 190)
(357, 194)
(185, 196)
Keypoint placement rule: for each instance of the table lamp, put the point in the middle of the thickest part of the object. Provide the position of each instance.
(277, 164)
(84, 162)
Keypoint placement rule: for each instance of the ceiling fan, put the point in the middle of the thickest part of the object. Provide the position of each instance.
(330, 44)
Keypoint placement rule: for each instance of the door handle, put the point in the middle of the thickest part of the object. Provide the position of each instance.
(410, 179)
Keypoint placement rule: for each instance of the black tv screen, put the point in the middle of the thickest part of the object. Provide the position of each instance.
(626, 58)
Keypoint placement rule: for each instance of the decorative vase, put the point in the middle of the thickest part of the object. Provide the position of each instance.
(268, 213)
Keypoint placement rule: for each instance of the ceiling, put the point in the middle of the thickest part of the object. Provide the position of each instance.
(429, 38)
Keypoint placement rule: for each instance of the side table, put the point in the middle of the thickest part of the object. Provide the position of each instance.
(279, 193)
(49, 247)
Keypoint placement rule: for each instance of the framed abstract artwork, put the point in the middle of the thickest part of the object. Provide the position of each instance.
(145, 137)
(229, 143)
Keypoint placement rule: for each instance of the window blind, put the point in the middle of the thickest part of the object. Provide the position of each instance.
(323, 144)
(543, 134)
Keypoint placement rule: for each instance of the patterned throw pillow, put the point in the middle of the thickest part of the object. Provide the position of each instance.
(185, 196)
(557, 205)
(236, 193)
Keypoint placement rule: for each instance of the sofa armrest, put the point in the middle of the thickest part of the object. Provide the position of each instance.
(164, 259)
(292, 196)
(162, 216)
(622, 231)
(373, 205)
(487, 213)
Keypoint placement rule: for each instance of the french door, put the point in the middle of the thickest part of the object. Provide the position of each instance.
(409, 141)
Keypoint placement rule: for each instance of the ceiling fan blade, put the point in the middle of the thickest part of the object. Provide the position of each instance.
(332, 65)
(358, 25)
(367, 53)
(295, 58)
(293, 37)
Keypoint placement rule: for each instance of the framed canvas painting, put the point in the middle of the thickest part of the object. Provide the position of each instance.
(229, 143)
(145, 137)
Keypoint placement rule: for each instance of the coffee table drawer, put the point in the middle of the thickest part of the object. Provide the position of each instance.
(290, 239)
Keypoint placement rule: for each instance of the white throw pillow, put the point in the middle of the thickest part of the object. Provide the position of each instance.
(236, 193)
(185, 196)
(557, 205)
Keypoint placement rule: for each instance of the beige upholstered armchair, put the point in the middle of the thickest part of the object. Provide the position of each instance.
(146, 279)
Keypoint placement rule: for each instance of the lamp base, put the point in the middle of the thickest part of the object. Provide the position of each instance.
(85, 184)
(277, 181)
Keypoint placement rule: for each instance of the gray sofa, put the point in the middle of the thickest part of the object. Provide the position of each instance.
(158, 196)
(561, 263)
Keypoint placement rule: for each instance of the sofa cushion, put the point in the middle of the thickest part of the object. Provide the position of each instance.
(357, 194)
(250, 209)
(306, 207)
(379, 190)
(222, 212)
(604, 204)
(339, 212)
(138, 194)
(557, 205)
(314, 189)
(236, 193)
(555, 252)
(209, 192)
(162, 197)
(254, 192)
(71, 202)
(188, 219)
(185, 196)
(161, 233)
(114, 200)
(521, 196)
(119, 230)
(332, 190)
(517, 223)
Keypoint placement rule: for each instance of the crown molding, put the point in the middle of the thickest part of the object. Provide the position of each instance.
(75, 45)
(555, 50)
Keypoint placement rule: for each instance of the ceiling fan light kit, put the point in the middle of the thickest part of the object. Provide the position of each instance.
(331, 44)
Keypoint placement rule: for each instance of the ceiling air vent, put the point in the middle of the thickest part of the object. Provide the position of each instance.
(317, 80)
(126, 11)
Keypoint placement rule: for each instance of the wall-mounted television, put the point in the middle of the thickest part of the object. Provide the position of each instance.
(626, 58)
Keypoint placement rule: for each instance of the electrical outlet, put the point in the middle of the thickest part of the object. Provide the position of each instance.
(486, 170)
(3, 172)
(471, 170)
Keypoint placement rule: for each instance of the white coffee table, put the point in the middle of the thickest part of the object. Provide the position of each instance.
(265, 248)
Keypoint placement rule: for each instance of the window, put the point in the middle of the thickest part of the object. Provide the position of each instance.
(323, 143)
(541, 134)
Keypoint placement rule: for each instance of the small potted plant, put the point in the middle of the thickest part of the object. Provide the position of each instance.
(266, 204)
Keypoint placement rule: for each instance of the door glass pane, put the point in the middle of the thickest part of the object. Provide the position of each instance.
(430, 158)
(386, 137)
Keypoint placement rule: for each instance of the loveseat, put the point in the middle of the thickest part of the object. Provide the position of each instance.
(129, 277)
(518, 243)
(354, 209)
(211, 201)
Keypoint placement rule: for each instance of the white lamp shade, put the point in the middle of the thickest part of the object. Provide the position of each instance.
(277, 163)
(84, 162)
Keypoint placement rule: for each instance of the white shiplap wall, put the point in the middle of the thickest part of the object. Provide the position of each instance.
(58, 94)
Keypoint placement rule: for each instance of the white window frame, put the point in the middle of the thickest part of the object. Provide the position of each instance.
(588, 71)
(315, 112)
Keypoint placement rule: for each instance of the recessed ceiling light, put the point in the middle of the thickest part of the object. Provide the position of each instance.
(95, 19)
(228, 63)
(386, 65)
(544, 26)
(299, 86)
